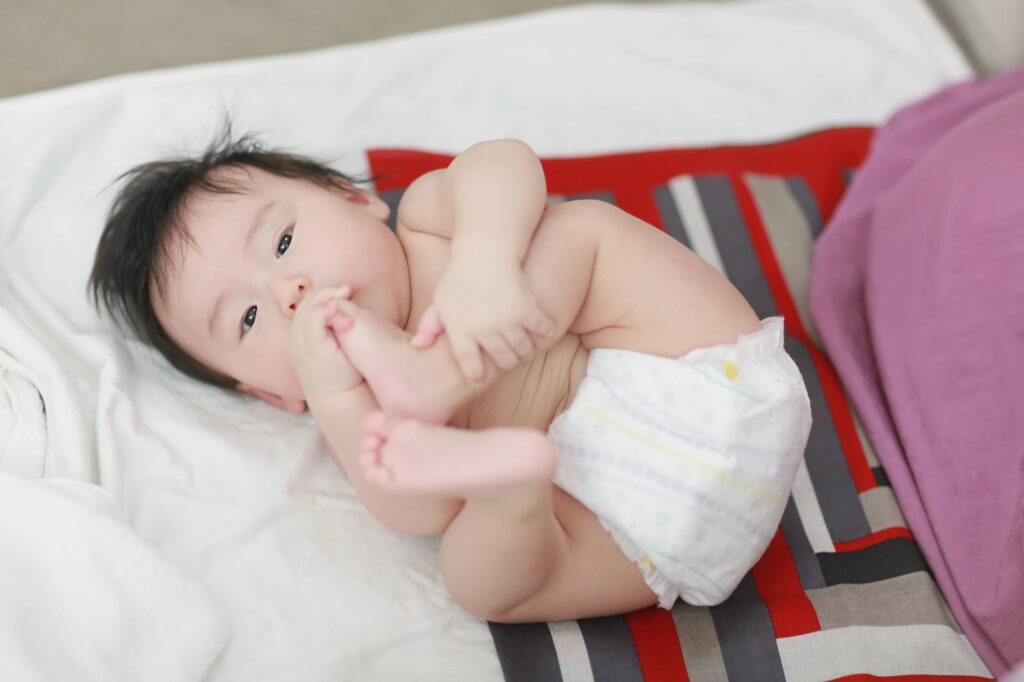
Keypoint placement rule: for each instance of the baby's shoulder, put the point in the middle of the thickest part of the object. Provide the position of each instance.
(425, 206)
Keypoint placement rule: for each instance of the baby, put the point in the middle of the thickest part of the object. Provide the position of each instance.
(593, 416)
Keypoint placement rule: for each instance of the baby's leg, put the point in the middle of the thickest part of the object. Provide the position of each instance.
(506, 555)
(424, 384)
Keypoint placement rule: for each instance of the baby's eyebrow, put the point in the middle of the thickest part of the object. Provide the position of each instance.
(256, 222)
(253, 229)
(215, 313)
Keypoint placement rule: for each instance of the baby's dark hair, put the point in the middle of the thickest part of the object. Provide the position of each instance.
(150, 209)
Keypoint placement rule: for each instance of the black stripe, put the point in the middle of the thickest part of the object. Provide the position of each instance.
(881, 478)
(804, 197)
(671, 216)
(888, 559)
(526, 652)
(826, 464)
(733, 241)
(807, 566)
(747, 637)
(392, 198)
(611, 649)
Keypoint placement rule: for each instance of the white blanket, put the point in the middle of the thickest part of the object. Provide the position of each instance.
(84, 598)
(236, 508)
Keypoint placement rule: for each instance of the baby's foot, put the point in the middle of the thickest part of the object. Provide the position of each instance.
(405, 455)
(405, 381)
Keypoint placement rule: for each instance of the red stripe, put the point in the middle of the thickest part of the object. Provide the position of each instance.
(657, 645)
(778, 583)
(873, 539)
(818, 157)
(863, 677)
(829, 187)
(638, 200)
(842, 420)
(397, 168)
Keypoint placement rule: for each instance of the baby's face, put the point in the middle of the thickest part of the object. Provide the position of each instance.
(231, 291)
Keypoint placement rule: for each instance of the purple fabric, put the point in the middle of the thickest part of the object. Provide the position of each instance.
(917, 288)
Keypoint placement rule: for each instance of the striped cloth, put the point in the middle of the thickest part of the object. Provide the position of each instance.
(842, 591)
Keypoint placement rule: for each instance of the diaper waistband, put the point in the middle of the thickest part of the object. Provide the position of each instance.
(764, 343)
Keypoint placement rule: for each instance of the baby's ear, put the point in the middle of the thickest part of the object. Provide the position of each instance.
(293, 406)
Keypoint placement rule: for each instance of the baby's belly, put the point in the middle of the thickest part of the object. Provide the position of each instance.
(533, 394)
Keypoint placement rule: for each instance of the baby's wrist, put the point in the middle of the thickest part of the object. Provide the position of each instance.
(483, 257)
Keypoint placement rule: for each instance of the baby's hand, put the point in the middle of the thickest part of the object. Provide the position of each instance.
(314, 347)
(484, 307)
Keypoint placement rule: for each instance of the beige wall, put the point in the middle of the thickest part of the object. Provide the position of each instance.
(993, 30)
(47, 43)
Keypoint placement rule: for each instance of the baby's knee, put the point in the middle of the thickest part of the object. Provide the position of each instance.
(483, 601)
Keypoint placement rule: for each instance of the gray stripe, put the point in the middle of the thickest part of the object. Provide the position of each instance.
(791, 240)
(881, 509)
(599, 195)
(611, 649)
(911, 599)
(826, 464)
(865, 442)
(747, 637)
(526, 652)
(699, 641)
(671, 216)
(808, 204)
(807, 566)
(733, 241)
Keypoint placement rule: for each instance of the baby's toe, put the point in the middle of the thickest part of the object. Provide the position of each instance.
(374, 422)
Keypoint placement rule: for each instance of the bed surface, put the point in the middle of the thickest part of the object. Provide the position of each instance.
(239, 501)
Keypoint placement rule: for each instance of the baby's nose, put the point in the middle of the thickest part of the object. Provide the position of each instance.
(290, 293)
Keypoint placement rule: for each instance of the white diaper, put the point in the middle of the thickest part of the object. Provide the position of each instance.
(688, 462)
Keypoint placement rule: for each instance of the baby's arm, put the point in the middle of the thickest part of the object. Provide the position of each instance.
(488, 202)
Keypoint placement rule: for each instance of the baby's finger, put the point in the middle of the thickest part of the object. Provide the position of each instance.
(541, 324)
(499, 351)
(430, 328)
(323, 295)
(339, 322)
(520, 341)
(467, 355)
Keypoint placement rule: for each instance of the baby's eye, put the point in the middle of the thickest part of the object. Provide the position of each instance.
(250, 319)
(284, 243)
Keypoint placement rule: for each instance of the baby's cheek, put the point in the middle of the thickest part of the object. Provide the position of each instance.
(279, 366)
